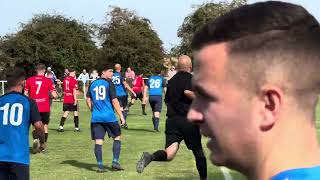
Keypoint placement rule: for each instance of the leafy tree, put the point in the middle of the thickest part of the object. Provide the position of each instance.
(130, 40)
(54, 40)
(203, 14)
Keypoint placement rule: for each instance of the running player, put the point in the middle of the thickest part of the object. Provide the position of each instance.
(70, 89)
(178, 100)
(138, 85)
(156, 84)
(38, 88)
(120, 84)
(17, 112)
(102, 100)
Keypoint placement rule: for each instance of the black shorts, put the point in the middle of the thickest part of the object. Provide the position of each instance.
(14, 171)
(123, 101)
(70, 107)
(45, 117)
(138, 96)
(99, 129)
(155, 103)
(178, 129)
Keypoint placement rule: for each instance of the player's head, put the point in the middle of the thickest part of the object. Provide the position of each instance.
(84, 71)
(256, 75)
(66, 70)
(72, 72)
(117, 67)
(107, 72)
(49, 74)
(184, 63)
(41, 69)
(15, 78)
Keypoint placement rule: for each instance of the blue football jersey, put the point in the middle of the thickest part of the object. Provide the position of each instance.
(155, 84)
(101, 92)
(312, 173)
(117, 80)
(17, 111)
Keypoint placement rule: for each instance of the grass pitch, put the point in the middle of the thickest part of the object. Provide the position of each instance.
(70, 154)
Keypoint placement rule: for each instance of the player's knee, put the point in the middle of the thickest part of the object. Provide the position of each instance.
(117, 138)
(99, 141)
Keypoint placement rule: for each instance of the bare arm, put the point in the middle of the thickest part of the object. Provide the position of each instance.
(75, 93)
(189, 94)
(126, 85)
(116, 106)
(89, 103)
(54, 94)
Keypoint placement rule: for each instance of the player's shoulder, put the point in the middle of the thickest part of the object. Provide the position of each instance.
(16, 95)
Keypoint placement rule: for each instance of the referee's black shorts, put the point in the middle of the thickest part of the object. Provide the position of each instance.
(14, 171)
(178, 129)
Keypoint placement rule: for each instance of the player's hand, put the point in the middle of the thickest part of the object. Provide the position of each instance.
(134, 94)
(123, 121)
(75, 102)
(144, 100)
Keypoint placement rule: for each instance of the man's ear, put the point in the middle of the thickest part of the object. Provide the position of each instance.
(271, 98)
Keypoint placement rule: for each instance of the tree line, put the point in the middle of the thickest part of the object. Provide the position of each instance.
(124, 37)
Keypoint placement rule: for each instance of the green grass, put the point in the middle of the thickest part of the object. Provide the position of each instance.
(70, 154)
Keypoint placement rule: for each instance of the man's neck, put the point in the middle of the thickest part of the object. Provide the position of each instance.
(295, 146)
(15, 89)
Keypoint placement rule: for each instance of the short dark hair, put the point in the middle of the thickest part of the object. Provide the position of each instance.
(267, 38)
(71, 70)
(40, 67)
(14, 75)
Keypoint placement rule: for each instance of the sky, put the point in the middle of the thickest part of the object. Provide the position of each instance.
(165, 15)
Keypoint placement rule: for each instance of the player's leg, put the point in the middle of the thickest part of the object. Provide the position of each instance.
(123, 101)
(156, 112)
(66, 109)
(97, 134)
(4, 170)
(114, 131)
(172, 146)
(19, 171)
(192, 138)
(76, 118)
(143, 104)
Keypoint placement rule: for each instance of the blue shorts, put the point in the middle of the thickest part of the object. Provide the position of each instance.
(99, 130)
(123, 101)
(15, 171)
(155, 103)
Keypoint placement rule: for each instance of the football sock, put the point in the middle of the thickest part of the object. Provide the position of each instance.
(34, 134)
(159, 155)
(201, 163)
(76, 121)
(63, 119)
(124, 113)
(153, 122)
(98, 154)
(130, 104)
(45, 137)
(156, 123)
(143, 106)
(116, 150)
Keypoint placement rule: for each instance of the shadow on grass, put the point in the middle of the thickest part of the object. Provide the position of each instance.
(56, 130)
(138, 129)
(87, 166)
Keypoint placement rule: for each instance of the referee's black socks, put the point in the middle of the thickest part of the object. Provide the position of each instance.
(159, 155)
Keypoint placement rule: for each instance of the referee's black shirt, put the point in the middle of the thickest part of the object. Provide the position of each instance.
(177, 103)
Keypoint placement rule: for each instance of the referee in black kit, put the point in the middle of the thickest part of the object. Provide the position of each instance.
(178, 100)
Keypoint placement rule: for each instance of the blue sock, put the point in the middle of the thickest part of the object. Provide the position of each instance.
(116, 150)
(98, 154)
(153, 122)
(156, 123)
(124, 113)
